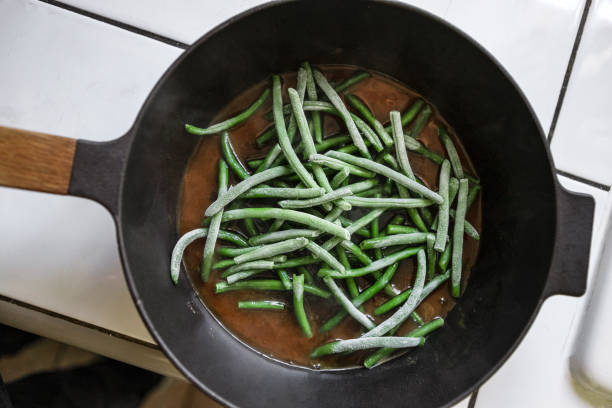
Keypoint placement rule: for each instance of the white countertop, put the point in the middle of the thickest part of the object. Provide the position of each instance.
(82, 68)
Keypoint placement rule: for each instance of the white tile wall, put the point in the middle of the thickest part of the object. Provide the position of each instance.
(537, 374)
(531, 38)
(65, 74)
(180, 20)
(582, 142)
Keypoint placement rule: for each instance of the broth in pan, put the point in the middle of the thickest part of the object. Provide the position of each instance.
(277, 333)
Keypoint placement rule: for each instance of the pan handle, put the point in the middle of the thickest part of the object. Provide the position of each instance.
(570, 264)
(55, 164)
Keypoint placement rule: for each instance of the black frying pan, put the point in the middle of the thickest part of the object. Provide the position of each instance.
(535, 238)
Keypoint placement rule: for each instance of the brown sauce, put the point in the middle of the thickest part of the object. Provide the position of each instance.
(275, 333)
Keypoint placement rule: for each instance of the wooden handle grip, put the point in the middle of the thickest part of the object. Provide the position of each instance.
(35, 161)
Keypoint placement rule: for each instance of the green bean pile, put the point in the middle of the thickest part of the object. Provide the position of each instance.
(308, 187)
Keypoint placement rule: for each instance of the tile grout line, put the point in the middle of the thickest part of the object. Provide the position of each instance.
(566, 78)
(78, 322)
(116, 23)
(568, 72)
(583, 180)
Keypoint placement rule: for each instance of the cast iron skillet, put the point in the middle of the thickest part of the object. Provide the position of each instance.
(535, 238)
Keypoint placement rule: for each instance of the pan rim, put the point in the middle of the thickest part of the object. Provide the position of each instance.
(236, 19)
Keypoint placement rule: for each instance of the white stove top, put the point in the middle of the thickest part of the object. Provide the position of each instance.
(82, 68)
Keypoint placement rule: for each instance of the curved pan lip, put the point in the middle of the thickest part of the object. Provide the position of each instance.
(236, 19)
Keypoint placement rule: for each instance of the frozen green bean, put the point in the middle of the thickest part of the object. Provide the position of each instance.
(401, 298)
(339, 165)
(400, 145)
(409, 114)
(339, 178)
(232, 252)
(373, 202)
(223, 264)
(189, 237)
(266, 284)
(324, 256)
(385, 172)
(240, 188)
(284, 235)
(283, 192)
(443, 214)
(453, 157)
(341, 346)
(374, 266)
(369, 134)
(283, 137)
(457, 251)
(238, 276)
(355, 250)
(363, 297)
(265, 137)
(288, 215)
(362, 232)
(261, 304)
(253, 164)
(330, 142)
(346, 303)
(422, 331)
(298, 305)
(397, 239)
(347, 83)
(311, 90)
(339, 105)
(420, 122)
(230, 156)
(231, 122)
(307, 142)
(247, 266)
(431, 255)
(270, 250)
(411, 303)
(215, 225)
(361, 107)
(400, 229)
(283, 275)
(313, 202)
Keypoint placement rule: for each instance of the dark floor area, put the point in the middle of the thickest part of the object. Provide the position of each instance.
(39, 372)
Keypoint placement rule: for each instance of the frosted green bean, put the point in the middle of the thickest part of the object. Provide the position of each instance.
(231, 122)
(324, 256)
(350, 345)
(386, 172)
(288, 215)
(392, 240)
(284, 235)
(242, 187)
(270, 250)
(411, 303)
(283, 192)
(443, 214)
(457, 251)
(339, 105)
(347, 304)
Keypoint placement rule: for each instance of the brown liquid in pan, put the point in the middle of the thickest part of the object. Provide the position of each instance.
(276, 333)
